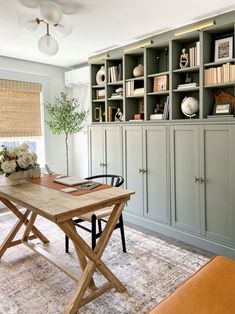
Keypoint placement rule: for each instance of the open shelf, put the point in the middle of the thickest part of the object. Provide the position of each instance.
(188, 69)
(166, 92)
(212, 64)
(186, 90)
(115, 98)
(98, 86)
(220, 85)
(116, 83)
(98, 100)
(140, 78)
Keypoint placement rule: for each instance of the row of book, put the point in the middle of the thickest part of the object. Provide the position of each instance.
(165, 114)
(194, 55)
(222, 74)
(115, 73)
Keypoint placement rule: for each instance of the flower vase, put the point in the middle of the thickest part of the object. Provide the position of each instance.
(18, 177)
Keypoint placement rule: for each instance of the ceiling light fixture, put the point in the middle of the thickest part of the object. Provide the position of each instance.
(51, 13)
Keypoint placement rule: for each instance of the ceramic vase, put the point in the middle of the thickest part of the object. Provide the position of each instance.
(100, 76)
(138, 71)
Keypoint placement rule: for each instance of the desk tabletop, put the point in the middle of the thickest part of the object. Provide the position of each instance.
(58, 206)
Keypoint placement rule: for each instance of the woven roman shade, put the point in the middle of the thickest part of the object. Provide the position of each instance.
(20, 112)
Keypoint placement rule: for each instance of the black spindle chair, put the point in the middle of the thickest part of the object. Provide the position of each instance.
(98, 216)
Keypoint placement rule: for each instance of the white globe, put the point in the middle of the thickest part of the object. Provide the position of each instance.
(189, 106)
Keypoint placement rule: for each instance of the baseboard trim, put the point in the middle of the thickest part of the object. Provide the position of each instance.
(200, 242)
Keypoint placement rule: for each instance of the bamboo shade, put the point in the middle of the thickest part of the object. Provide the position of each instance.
(20, 112)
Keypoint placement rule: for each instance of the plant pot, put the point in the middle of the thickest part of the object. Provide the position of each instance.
(19, 177)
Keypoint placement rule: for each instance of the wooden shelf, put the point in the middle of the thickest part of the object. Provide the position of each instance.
(140, 78)
(159, 74)
(166, 92)
(211, 64)
(189, 69)
(116, 83)
(219, 85)
(186, 90)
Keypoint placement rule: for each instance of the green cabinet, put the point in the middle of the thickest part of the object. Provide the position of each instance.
(202, 180)
(184, 178)
(146, 170)
(105, 150)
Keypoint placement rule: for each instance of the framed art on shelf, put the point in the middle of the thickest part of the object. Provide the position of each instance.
(223, 109)
(224, 49)
(160, 83)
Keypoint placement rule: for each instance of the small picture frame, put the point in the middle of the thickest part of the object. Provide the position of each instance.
(222, 109)
(224, 49)
(160, 83)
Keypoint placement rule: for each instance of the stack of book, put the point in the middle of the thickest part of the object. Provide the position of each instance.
(115, 73)
(164, 115)
(187, 85)
(222, 74)
(100, 94)
(118, 94)
(133, 89)
(194, 55)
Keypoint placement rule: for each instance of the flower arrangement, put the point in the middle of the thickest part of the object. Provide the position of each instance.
(16, 159)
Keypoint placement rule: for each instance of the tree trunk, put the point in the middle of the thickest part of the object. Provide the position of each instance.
(67, 154)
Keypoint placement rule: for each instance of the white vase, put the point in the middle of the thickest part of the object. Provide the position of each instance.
(100, 76)
(19, 177)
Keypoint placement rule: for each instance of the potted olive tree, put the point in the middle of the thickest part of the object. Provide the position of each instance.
(66, 117)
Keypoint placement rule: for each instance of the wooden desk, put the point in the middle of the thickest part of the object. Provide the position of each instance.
(60, 208)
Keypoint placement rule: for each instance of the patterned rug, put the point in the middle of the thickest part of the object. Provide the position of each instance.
(151, 270)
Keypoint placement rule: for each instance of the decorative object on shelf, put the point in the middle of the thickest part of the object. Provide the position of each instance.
(18, 164)
(185, 86)
(184, 62)
(112, 110)
(221, 98)
(224, 49)
(52, 15)
(160, 83)
(100, 94)
(190, 107)
(66, 117)
(223, 109)
(139, 116)
(159, 108)
(188, 79)
(119, 115)
(118, 93)
(138, 70)
(100, 76)
(98, 114)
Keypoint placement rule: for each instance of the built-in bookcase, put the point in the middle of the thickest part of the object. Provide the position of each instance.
(161, 59)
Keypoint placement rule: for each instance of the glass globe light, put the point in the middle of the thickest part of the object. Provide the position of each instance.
(28, 22)
(48, 45)
(63, 28)
(51, 12)
(30, 3)
(68, 6)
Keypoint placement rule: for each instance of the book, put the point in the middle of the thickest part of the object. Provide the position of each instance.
(187, 85)
(138, 91)
(156, 116)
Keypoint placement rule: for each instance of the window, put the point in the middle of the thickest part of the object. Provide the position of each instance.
(21, 115)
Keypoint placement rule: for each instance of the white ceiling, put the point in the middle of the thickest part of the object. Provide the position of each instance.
(100, 24)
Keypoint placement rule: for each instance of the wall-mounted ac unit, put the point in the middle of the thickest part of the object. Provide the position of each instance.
(77, 77)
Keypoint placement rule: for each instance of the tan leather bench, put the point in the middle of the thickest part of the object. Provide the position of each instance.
(211, 290)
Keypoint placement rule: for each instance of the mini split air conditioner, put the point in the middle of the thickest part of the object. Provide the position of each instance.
(77, 77)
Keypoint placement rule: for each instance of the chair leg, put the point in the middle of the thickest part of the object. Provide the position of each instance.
(99, 226)
(66, 244)
(93, 231)
(122, 234)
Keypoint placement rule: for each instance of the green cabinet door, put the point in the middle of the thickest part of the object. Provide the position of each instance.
(218, 188)
(133, 164)
(96, 151)
(113, 149)
(184, 178)
(156, 177)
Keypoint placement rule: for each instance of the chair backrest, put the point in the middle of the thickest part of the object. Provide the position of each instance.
(112, 179)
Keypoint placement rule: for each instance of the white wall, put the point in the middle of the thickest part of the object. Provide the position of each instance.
(80, 141)
(52, 79)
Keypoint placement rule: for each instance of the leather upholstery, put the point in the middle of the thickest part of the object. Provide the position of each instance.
(209, 291)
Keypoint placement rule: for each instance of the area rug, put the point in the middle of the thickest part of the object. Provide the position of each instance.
(151, 270)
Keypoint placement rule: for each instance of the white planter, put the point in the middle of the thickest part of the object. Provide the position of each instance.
(19, 177)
